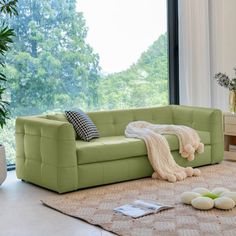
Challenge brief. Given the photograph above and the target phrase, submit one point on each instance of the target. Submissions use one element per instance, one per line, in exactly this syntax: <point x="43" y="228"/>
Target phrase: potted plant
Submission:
<point x="229" y="83"/>
<point x="6" y="35"/>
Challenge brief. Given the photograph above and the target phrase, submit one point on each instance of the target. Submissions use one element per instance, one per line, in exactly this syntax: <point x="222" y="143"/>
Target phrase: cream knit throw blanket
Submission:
<point x="158" y="149"/>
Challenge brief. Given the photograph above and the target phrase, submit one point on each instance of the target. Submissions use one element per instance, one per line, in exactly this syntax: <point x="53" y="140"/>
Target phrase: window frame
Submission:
<point x="173" y="50"/>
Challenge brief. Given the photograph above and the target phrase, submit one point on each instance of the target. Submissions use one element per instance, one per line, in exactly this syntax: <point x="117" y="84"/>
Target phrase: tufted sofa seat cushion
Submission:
<point x="120" y="147"/>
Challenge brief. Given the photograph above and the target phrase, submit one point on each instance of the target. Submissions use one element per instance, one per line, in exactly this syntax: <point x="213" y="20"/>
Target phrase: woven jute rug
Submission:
<point x="95" y="206"/>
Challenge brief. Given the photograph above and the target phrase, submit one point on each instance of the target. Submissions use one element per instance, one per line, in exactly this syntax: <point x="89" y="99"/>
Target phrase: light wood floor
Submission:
<point x="21" y="213"/>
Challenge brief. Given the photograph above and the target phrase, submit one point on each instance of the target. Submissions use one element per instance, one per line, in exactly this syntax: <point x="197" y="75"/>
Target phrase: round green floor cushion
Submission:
<point x="204" y="199"/>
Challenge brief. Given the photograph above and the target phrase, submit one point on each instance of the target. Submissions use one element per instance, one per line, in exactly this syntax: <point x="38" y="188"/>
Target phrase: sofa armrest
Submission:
<point x="203" y="119"/>
<point x="46" y="153"/>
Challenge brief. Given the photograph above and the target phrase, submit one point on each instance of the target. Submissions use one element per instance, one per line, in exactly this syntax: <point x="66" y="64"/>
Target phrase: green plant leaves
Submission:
<point x="6" y="35"/>
<point x="8" y="7"/>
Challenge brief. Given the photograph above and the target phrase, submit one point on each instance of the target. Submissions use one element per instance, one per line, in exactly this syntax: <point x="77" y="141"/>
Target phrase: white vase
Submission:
<point x="3" y="166"/>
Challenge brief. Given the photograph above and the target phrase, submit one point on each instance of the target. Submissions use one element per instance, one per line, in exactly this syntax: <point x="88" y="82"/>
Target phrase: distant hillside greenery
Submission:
<point x="145" y="83"/>
<point x="52" y="68"/>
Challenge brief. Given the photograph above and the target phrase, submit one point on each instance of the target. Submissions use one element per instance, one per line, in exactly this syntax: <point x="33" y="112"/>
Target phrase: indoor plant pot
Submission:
<point x="3" y="166"/>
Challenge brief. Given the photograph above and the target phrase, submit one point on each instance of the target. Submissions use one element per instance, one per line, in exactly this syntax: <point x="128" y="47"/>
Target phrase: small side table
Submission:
<point x="230" y="136"/>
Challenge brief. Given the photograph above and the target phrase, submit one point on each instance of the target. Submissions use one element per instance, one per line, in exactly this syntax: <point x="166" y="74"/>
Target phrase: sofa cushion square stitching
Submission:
<point x="83" y="125"/>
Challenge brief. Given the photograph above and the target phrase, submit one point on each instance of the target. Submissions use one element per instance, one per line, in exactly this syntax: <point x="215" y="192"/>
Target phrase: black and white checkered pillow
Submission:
<point x="83" y="125"/>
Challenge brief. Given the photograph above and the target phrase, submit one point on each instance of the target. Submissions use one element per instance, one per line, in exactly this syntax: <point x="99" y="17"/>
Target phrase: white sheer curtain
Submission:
<point x="194" y="53"/>
<point x="207" y="45"/>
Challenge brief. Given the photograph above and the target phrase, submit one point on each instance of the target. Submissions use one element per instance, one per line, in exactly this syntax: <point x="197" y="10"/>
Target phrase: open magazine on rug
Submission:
<point x="141" y="208"/>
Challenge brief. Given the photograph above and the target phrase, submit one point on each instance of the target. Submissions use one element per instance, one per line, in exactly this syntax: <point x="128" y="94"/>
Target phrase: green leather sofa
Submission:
<point x="48" y="155"/>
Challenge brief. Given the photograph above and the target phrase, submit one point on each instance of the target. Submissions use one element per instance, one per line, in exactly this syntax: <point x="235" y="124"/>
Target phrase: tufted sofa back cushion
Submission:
<point x="114" y="122"/>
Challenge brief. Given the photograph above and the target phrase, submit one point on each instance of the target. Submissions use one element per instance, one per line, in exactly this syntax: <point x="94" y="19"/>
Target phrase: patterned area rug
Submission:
<point x="95" y="206"/>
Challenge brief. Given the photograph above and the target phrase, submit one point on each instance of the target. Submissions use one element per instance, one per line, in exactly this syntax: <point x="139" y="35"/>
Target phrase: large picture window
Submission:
<point x="88" y="54"/>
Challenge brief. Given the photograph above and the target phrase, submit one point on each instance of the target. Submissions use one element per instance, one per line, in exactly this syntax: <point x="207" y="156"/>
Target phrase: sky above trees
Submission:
<point x="120" y="30"/>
